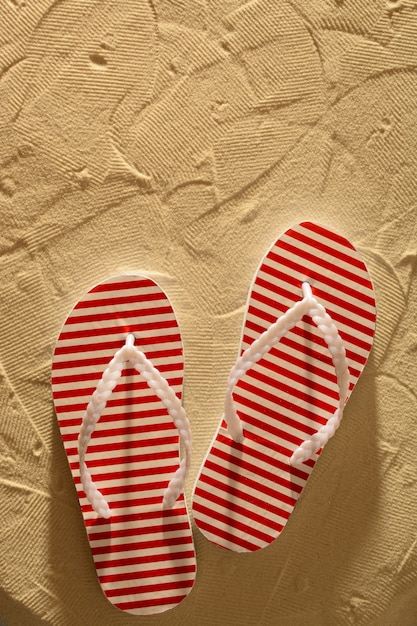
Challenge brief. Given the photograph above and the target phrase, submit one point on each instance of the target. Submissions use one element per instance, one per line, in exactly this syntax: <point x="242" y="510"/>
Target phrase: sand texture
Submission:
<point x="179" y="138"/>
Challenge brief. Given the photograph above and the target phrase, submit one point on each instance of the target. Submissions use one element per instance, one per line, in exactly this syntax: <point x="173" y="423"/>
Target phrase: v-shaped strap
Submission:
<point x="155" y="380"/>
<point x="263" y="344"/>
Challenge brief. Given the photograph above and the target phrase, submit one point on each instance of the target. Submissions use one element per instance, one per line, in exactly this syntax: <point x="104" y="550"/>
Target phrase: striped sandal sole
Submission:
<point x="246" y="492"/>
<point x="144" y="554"/>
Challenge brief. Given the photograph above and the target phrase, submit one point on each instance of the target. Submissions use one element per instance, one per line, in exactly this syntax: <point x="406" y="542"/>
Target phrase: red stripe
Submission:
<point x="134" y="458"/>
<point x="278" y="291"/>
<point x="305" y="351"/>
<point x="336" y="317"/>
<point x="121" y="387"/>
<point x="155" y="601"/>
<point x="120" y="330"/>
<point x="75" y="422"/>
<point x="138" y="531"/>
<point x="248" y="482"/>
<point x="124" y="402"/>
<point x="116" y="302"/>
<point x="256" y="471"/>
<point x="266" y="300"/>
<point x="263" y="425"/>
<point x="116" y="330"/>
<point x="268" y="444"/>
<point x="269" y="458"/>
<point x="81" y="363"/>
<point x="95" y="376"/>
<point x="360" y="311"/>
<point x="149" y="544"/>
<point x="125" y="445"/>
<point x="151" y="588"/>
<point x="277" y="305"/>
<point x="135" y="487"/>
<point x="125" y="283"/>
<point x="276" y="415"/>
<point x="310" y="355"/>
<point x="319" y="261"/>
<point x="340" y="319"/>
<point x="329" y="234"/>
<point x="308" y="366"/>
<point x="279" y="401"/>
<point x="158" y="514"/>
<point x="312" y="274"/>
<point x="290" y="375"/>
<point x="136" y="401"/>
<point x="128" y="474"/>
<point x="296" y="282"/>
<point x="123" y="432"/>
<point x="116" y="315"/>
<point x="233" y="523"/>
<point x="229" y="537"/>
<point x="236" y="508"/>
<point x="155" y="573"/>
<point x="130" y="503"/>
<point x="239" y="494"/>
<point x="332" y="251"/>
<point x="150" y="558"/>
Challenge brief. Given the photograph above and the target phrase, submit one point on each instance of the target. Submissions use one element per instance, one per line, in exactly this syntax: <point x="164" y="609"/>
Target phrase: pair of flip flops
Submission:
<point x="117" y="379"/>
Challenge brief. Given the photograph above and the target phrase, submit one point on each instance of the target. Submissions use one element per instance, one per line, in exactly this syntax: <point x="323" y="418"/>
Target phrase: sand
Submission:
<point x="179" y="139"/>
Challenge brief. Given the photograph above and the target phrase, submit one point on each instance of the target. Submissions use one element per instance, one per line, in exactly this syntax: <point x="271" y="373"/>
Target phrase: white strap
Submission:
<point x="96" y="406"/>
<point x="263" y="344"/>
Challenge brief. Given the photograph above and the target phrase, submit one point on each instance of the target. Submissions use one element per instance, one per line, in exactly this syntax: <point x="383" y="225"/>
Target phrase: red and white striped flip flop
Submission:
<point x="307" y="334"/>
<point x="117" y="378"/>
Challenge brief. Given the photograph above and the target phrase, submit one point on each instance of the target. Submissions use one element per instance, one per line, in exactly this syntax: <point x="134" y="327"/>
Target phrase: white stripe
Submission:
<point x="119" y="438"/>
<point x="145" y="554"/>
<point x="155" y="580"/>
<point x="134" y="420"/>
<point x="127" y="452"/>
<point x="329" y="393"/>
<point x="127" y="498"/>
<point x="129" y="289"/>
<point x="293" y="353"/>
<point x="151" y="536"/>
<point x="224" y="527"/>
<point x="120" y="333"/>
<point x="219" y="540"/>
<point x="141" y="401"/>
<point x="305" y="343"/>
<point x="258" y="447"/>
<point x="167" y="593"/>
<point x="250" y="491"/>
<point x="324" y="256"/>
<point x="140" y="482"/>
<point x="270" y="518"/>
<point x="108" y="354"/>
<point x="247" y="396"/>
<point x="164" y="473"/>
<point x="85" y="387"/>
<point x="138" y="524"/>
<point x="148" y="566"/>
<point x="333" y="308"/>
<point x="276" y="406"/>
<point x="157" y="361"/>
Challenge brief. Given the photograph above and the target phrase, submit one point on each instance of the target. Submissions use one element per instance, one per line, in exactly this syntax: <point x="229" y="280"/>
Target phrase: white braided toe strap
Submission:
<point x="96" y="406"/>
<point x="263" y="344"/>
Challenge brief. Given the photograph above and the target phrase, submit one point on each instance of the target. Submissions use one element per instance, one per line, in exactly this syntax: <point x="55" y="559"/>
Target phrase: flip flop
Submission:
<point x="307" y="334"/>
<point x="121" y="433"/>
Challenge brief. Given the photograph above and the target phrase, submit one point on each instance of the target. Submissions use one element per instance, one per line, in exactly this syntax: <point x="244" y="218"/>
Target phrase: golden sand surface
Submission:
<point x="179" y="138"/>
